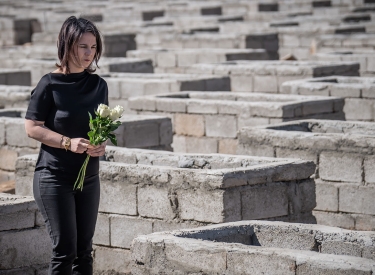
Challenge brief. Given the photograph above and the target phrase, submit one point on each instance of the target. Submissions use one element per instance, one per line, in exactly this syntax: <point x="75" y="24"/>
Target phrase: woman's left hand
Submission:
<point x="96" y="151"/>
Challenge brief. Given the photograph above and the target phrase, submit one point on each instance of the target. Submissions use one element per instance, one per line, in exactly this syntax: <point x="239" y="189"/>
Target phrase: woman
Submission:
<point x="57" y="116"/>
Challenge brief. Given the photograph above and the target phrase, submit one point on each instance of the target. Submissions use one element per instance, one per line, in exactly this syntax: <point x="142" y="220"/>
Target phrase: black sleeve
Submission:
<point x="106" y="92"/>
<point x="41" y="101"/>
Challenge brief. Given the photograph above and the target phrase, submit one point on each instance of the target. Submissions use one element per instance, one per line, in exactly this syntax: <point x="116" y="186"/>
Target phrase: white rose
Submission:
<point x="116" y="112"/>
<point x="103" y="110"/>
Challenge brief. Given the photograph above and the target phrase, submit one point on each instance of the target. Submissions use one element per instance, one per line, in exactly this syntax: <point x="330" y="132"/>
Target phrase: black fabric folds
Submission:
<point x="63" y="103"/>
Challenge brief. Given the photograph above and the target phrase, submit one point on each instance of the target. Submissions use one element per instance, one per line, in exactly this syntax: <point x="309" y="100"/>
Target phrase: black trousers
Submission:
<point x="70" y="218"/>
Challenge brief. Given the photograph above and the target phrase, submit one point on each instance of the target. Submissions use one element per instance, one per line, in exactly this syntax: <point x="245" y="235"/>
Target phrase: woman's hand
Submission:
<point x="79" y="145"/>
<point x="96" y="151"/>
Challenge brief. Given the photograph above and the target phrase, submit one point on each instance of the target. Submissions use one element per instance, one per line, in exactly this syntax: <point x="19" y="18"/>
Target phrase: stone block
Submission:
<point x="165" y="132"/>
<point x="221" y="126"/>
<point x="265" y="84"/>
<point x="190" y="125"/>
<point x="341" y="248"/>
<point x="257" y="263"/>
<point x="214" y="206"/>
<point x="369" y="167"/>
<point x="201" y="145"/>
<point x="359" y="109"/>
<point x="14" y="253"/>
<point x="302" y="154"/>
<point x="365" y="223"/>
<point x="141" y="134"/>
<point x="166" y="59"/>
<point x="346" y="90"/>
<point x="155" y="202"/>
<point x="252" y="121"/>
<point x="18" y="220"/>
<point x="336" y="166"/>
<point x="196" y="259"/>
<point x="228" y="146"/>
<point x="335" y="219"/>
<point x="160" y="226"/>
<point x="118" y="197"/>
<point x="327" y="197"/>
<point x="267" y="201"/>
<point x="257" y="150"/>
<point x="199" y="107"/>
<point x="111" y="260"/>
<point x="241" y="83"/>
<point x="124" y="229"/>
<point x="101" y="235"/>
<point x="16" y="136"/>
<point x="170" y="105"/>
<point x="357" y="199"/>
<point x="8" y="159"/>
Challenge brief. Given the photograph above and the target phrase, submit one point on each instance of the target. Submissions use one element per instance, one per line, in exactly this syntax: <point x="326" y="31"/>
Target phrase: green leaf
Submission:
<point x="113" y="140"/>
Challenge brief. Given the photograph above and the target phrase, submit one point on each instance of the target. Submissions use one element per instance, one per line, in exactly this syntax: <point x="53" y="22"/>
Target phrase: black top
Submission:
<point x="63" y="102"/>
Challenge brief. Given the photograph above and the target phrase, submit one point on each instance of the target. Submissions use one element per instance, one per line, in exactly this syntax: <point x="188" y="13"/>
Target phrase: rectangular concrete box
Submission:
<point x="122" y="86"/>
<point x="38" y="67"/>
<point x="255" y="247"/>
<point x="365" y="58"/>
<point x="145" y="191"/>
<point x="359" y="93"/>
<point x="171" y="60"/>
<point x="208" y="122"/>
<point x="343" y="152"/>
<point x="267" y="76"/>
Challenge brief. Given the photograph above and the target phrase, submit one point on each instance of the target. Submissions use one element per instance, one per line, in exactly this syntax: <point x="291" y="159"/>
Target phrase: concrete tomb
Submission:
<point x="255" y="247"/>
<point x="208" y="122"/>
<point x="171" y="60"/>
<point x="267" y="76"/>
<point x="344" y="154"/>
<point x="359" y="93"/>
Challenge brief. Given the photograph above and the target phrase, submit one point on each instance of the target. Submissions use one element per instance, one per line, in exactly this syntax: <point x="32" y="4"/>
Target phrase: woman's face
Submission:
<point x="84" y="51"/>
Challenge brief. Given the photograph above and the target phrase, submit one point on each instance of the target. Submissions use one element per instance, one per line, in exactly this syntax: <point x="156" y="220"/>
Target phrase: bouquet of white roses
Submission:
<point x="101" y="129"/>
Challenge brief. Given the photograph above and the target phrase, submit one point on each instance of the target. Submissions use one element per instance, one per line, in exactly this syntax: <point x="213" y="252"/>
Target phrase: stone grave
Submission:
<point x="359" y="93"/>
<point x="366" y="59"/>
<point x="267" y="76"/>
<point x="39" y="67"/>
<point x="172" y="60"/>
<point x="146" y="191"/>
<point x="255" y="247"/>
<point x="122" y="86"/>
<point x="341" y="42"/>
<point x="344" y="154"/>
<point x="208" y="122"/>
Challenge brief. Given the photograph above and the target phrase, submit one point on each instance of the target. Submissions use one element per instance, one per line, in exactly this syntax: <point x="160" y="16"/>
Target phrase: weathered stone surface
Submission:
<point x="111" y="260"/>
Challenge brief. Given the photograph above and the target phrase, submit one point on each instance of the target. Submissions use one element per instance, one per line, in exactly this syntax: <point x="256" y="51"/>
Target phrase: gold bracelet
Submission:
<point x="67" y="144"/>
<point x="61" y="142"/>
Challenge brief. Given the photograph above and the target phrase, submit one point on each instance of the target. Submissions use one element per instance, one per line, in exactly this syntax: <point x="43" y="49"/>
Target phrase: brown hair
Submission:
<point x="71" y="31"/>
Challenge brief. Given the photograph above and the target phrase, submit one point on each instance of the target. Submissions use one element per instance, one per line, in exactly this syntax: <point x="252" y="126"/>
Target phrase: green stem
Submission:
<point x="81" y="175"/>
